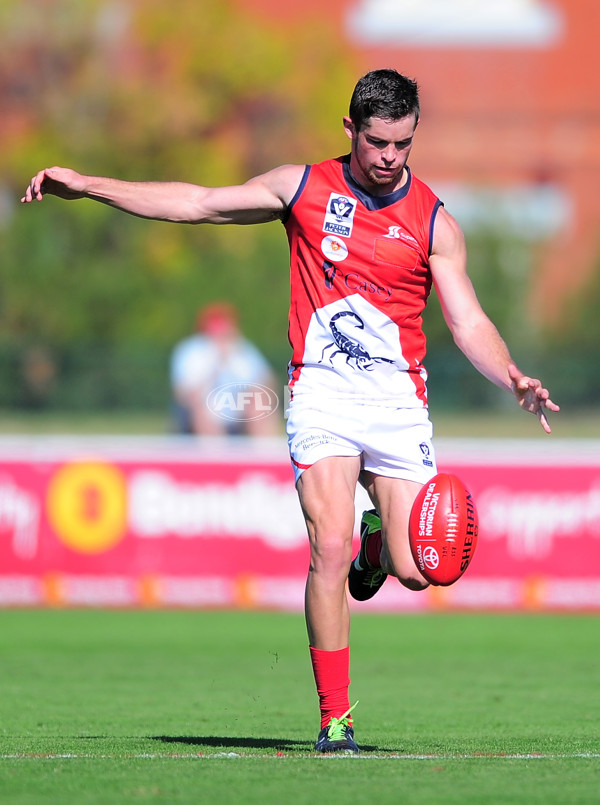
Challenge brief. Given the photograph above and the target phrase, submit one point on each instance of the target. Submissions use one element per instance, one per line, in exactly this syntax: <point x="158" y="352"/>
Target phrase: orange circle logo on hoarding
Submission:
<point x="87" y="506"/>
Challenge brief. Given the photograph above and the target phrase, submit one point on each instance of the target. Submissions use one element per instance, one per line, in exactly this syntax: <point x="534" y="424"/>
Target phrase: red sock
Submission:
<point x="332" y="676"/>
<point x="374" y="545"/>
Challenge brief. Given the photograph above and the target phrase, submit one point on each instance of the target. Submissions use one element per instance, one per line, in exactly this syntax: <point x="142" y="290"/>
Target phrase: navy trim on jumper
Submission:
<point x="374" y="203"/>
<point x="297" y="194"/>
<point x="434" y="213"/>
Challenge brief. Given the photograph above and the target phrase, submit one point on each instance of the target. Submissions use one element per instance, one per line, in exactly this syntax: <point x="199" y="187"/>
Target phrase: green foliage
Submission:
<point x="208" y="94"/>
<point x="499" y="268"/>
<point x="574" y="347"/>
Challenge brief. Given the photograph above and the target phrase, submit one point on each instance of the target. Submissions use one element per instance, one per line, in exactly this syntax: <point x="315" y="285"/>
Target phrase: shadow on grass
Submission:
<point x="220" y="742"/>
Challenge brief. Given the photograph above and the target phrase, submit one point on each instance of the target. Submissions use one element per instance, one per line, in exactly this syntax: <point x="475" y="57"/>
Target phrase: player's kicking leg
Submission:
<point x="384" y="545"/>
<point x="366" y="575"/>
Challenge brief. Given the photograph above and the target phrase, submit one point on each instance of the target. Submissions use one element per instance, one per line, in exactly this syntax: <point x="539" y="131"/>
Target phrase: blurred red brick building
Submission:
<point x="511" y="115"/>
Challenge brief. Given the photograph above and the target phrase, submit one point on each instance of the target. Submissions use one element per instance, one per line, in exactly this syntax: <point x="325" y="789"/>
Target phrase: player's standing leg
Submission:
<point x="326" y="491"/>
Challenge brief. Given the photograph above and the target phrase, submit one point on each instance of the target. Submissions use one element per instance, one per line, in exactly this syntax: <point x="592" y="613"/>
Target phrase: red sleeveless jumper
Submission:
<point x="360" y="280"/>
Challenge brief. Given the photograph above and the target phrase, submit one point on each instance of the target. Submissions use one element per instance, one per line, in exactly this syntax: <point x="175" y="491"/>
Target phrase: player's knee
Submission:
<point x="408" y="576"/>
<point x="331" y="552"/>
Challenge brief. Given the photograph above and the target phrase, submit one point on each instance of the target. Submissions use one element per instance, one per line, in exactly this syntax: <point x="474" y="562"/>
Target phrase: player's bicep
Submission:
<point x="448" y="262"/>
<point x="261" y="199"/>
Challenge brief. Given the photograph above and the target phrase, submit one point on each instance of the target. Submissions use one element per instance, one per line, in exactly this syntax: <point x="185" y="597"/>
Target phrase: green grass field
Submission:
<point x="219" y="707"/>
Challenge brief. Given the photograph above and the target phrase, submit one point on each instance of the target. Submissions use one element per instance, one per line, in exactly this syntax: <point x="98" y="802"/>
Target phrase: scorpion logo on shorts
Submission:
<point x="349" y="346"/>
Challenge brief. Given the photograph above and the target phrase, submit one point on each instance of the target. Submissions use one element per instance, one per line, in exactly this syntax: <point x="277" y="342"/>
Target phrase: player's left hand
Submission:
<point x="532" y="396"/>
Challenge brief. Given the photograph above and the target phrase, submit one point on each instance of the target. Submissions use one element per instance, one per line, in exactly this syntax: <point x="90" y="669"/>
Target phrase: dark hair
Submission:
<point x="386" y="94"/>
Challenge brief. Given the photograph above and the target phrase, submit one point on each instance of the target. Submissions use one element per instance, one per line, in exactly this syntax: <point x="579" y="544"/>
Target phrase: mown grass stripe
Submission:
<point x="280" y="755"/>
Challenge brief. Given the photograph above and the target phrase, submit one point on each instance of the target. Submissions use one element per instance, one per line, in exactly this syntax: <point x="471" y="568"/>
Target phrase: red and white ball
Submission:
<point x="443" y="529"/>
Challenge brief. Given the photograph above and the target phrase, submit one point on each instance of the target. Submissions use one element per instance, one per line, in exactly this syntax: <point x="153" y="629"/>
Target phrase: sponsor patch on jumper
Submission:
<point x="396" y="232"/>
<point x="339" y="215"/>
<point x="334" y="248"/>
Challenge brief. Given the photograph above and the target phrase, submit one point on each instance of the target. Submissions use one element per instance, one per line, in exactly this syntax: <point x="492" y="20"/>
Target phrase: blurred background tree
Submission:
<point x="92" y="300"/>
<point x="574" y="347"/>
<point x="143" y="89"/>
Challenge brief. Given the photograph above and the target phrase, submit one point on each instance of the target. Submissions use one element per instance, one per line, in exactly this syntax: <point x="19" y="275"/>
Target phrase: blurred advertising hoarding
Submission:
<point x="179" y="522"/>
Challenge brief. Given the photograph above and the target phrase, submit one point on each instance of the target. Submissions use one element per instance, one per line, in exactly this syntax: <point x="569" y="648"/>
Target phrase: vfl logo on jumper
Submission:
<point x="339" y="215"/>
<point x="343" y="344"/>
<point x="334" y="248"/>
<point x="424" y="448"/>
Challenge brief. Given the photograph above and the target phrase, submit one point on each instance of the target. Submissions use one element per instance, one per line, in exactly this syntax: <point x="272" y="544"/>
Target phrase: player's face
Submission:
<point x="380" y="151"/>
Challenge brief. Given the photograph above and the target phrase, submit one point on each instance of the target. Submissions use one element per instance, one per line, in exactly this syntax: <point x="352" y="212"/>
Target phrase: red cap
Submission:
<point x="216" y="318"/>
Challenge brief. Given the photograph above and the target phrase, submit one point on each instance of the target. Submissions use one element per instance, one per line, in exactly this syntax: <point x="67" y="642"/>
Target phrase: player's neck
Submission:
<point x="373" y="188"/>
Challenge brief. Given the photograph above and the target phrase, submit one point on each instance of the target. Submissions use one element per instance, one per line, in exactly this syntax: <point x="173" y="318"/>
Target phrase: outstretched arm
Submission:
<point x="473" y="332"/>
<point x="261" y="199"/>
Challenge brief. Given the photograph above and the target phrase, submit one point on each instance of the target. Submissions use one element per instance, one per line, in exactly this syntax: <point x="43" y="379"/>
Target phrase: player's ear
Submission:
<point x="349" y="128"/>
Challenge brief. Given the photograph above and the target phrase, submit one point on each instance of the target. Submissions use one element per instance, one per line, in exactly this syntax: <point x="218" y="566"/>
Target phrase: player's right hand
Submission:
<point x="61" y="182"/>
<point x="532" y="396"/>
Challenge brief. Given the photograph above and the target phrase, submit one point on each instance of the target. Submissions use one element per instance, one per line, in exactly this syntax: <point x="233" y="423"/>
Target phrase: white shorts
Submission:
<point x="394" y="442"/>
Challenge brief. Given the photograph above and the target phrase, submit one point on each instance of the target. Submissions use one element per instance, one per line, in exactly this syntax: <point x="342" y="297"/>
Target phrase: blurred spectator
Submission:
<point x="38" y="373"/>
<point x="221" y="383"/>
